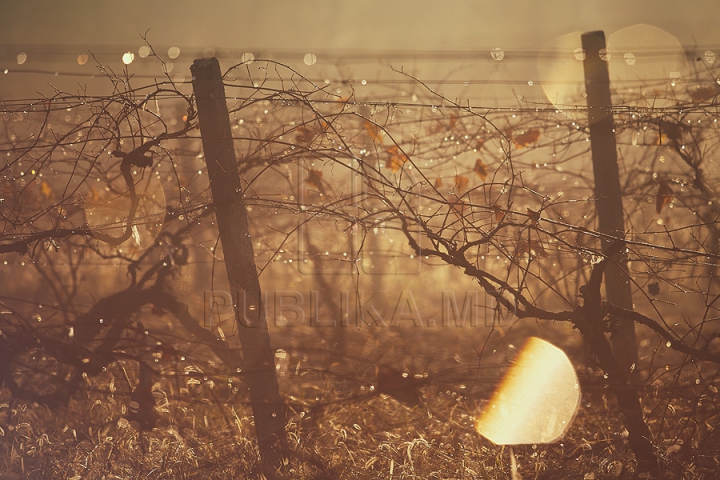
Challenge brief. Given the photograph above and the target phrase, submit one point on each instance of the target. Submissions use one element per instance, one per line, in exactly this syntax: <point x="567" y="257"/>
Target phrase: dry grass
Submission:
<point x="341" y="427"/>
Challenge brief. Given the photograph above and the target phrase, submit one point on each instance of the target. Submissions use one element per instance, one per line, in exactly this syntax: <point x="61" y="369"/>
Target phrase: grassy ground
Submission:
<point x="341" y="426"/>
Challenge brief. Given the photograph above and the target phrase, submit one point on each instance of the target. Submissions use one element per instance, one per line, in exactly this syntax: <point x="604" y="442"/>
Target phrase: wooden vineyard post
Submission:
<point x="608" y="197"/>
<point x="258" y="360"/>
<point x="617" y="357"/>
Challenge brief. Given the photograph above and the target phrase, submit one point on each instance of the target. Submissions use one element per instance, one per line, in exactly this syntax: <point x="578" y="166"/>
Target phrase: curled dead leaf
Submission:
<point x="702" y="93"/>
<point x="373" y="131"/>
<point x="664" y="196"/>
<point x="526" y="138"/>
<point x="314" y="179"/>
<point x="305" y="134"/>
<point x="396" y="158"/>
<point x="671" y="131"/>
<point x="480" y="169"/>
<point x="499" y="213"/>
<point x="46" y="190"/>
<point x="534" y="216"/>
<point x="457" y="206"/>
<point x="461" y="183"/>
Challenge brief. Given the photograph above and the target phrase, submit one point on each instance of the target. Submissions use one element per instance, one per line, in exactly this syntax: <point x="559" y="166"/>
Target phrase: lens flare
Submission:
<point x="648" y="67"/>
<point x="536" y="401"/>
<point x="560" y="65"/>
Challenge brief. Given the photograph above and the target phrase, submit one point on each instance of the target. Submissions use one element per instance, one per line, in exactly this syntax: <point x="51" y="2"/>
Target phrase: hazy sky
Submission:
<point x="337" y="24"/>
<point x="273" y="27"/>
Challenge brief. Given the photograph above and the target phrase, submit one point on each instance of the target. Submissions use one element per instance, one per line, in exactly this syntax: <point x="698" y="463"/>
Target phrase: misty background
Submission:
<point x="432" y="40"/>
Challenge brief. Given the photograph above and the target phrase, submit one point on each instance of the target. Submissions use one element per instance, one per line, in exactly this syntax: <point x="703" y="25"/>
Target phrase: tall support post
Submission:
<point x="258" y="360"/>
<point x="608" y="205"/>
<point x="608" y="196"/>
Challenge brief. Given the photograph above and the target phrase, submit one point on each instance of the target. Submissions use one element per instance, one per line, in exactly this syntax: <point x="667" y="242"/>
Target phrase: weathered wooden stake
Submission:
<point x="258" y="360"/>
<point x="608" y="196"/>
<point x="618" y="360"/>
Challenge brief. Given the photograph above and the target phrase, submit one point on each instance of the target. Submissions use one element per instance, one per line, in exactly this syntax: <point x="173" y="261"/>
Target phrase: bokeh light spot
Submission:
<point x="561" y="74"/>
<point x="537" y="399"/>
<point x="658" y="66"/>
